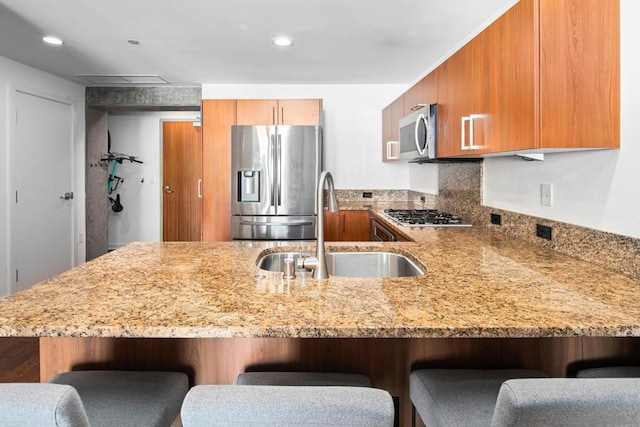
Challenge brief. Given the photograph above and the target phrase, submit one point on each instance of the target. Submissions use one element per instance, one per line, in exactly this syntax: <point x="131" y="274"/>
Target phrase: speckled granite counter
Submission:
<point x="479" y="283"/>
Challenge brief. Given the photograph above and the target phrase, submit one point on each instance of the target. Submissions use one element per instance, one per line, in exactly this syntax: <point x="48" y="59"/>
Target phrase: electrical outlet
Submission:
<point x="496" y="219"/>
<point x="546" y="195"/>
<point x="367" y="194"/>
<point x="544" y="231"/>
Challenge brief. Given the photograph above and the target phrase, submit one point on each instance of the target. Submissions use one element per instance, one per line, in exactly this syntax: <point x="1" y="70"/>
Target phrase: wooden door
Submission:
<point x="455" y="100"/>
<point x="257" y="112"/>
<point x="42" y="225"/>
<point x="300" y="112"/>
<point x="218" y="115"/>
<point x="505" y="95"/>
<point x="181" y="181"/>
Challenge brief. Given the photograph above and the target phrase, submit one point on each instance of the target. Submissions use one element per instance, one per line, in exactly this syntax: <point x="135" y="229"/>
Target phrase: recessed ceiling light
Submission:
<point x="282" y="41"/>
<point x="52" y="40"/>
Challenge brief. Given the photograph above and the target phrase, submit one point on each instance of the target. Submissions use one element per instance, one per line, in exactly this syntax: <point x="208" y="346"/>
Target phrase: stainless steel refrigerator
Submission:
<point x="275" y="171"/>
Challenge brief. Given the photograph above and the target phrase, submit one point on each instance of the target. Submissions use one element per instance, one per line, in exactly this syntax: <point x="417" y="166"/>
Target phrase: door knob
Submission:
<point x="168" y="190"/>
<point x="67" y="196"/>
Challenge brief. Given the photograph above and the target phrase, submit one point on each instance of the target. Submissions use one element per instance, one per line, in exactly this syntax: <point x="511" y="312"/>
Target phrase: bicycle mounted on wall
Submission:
<point x="114" y="181"/>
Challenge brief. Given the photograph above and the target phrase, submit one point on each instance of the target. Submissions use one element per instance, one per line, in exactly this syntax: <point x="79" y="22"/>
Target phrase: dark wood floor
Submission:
<point x="19" y="360"/>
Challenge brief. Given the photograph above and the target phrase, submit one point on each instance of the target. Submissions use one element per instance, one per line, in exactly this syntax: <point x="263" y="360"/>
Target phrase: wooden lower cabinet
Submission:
<point x="346" y="226"/>
<point x="386" y="361"/>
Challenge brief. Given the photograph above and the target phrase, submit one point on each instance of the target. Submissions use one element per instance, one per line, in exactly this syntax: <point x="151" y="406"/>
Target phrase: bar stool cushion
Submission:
<point x="460" y="397"/>
<point x="260" y="405"/>
<point x="303" y="379"/>
<point x="568" y="402"/>
<point x="44" y="405"/>
<point x="128" y="398"/>
<point x="610" y="372"/>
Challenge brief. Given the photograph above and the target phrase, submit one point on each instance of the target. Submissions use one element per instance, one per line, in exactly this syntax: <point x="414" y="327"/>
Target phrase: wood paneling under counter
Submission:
<point x="387" y="361"/>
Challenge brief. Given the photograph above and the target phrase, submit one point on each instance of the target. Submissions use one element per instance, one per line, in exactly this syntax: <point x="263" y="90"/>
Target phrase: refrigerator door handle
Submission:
<point x="272" y="159"/>
<point x="279" y="160"/>
<point x="276" y="224"/>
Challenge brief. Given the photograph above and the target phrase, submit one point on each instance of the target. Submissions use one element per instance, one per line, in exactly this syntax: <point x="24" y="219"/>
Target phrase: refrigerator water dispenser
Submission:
<point x="248" y="186"/>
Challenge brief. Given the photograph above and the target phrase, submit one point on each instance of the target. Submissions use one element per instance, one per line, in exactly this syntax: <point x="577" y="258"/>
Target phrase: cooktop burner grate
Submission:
<point x="425" y="218"/>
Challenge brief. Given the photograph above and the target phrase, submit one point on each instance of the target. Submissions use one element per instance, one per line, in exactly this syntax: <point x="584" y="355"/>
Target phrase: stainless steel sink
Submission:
<point x="351" y="264"/>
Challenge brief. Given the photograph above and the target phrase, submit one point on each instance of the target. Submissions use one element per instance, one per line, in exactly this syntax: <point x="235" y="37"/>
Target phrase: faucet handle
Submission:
<point x="309" y="263"/>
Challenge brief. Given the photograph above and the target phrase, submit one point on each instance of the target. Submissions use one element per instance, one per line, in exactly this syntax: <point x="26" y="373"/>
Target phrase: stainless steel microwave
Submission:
<point x="418" y="133"/>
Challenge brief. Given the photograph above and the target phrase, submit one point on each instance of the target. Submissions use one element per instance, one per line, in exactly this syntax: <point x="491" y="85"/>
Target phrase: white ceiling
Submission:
<point x="194" y="42"/>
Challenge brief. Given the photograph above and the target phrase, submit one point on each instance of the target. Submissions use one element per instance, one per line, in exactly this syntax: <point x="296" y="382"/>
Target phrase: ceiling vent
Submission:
<point x="123" y="79"/>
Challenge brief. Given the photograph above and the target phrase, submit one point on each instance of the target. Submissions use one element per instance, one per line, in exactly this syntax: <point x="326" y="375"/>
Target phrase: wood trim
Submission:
<point x="217" y="118"/>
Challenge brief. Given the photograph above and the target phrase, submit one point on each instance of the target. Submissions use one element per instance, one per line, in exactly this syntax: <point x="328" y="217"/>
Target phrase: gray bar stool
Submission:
<point x="459" y="397"/>
<point x="610" y="372"/>
<point x="128" y="398"/>
<point x="568" y="402"/>
<point x="268" y="405"/>
<point x="44" y="405"/>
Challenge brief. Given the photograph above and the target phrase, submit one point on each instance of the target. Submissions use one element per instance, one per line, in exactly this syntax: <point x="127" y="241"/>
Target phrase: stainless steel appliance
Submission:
<point x="425" y="218"/>
<point x="275" y="172"/>
<point x="381" y="233"/>
<point x="418" y="133"/>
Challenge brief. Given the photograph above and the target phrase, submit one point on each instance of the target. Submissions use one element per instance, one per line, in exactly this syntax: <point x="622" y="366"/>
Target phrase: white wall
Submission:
<point x="139" y="134"/>
<point x="599" y="189"/>
<point x="17" y="76"/>
<point x="352" y="128"/>
<point x="423" y="178"/>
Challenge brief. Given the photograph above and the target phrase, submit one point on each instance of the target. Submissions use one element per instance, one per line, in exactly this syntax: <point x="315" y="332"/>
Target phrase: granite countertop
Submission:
<point x="479" y="283"/>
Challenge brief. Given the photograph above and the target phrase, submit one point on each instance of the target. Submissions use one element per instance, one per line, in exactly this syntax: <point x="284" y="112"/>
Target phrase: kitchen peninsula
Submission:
<point x="486" y="300"/>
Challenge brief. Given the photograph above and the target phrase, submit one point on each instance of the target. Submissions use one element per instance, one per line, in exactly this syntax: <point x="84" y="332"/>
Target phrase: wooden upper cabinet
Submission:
<point x="391" y="116"/>
<point x="455" y="100"/>
<point x="256" y="111"/>
<point x="423" y="92"/>
<point x="218" y="115"/>
<point x="580" y="74"/>
<point x="300" y="112"/>
<point x="279" y="112"/>
<point x="505" y="98"/>
<point x="545" y="75"/>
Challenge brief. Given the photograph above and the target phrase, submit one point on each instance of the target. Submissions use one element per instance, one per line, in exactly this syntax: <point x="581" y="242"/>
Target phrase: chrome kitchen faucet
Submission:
<point x="319" y="263"/>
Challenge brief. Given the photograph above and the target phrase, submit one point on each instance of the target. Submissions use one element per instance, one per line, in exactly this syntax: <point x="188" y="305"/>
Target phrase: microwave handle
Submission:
<point x="422" y="118"/>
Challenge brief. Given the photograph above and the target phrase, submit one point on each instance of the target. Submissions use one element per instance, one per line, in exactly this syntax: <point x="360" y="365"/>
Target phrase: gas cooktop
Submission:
<point x="425" y="218"/>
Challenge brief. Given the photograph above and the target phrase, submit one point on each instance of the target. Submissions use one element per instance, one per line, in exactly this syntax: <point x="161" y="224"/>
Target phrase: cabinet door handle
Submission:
<point x="200" y="189"/>
<point x="281" y="115"/>
<point x="472" y="119"/>
<point x="344" y="223"/>
<point x="390" y="155"/>
<point x="273" y="115"/>
<point x="464" y="146"/>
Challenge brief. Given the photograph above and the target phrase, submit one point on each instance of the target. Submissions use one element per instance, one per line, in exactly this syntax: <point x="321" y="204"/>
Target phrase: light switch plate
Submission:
<point x="546" y="195"/>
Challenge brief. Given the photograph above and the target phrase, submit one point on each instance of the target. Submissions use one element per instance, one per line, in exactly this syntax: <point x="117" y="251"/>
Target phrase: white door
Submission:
<point x="41" y="171"/>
